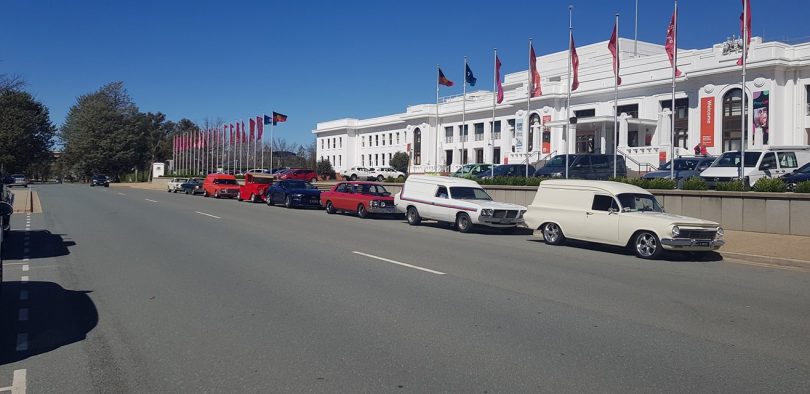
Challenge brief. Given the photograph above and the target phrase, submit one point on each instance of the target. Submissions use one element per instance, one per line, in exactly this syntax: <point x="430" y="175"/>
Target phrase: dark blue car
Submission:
<point x="800" y="175"/>
<point x="685" y="168"/>
<point x="294" y="193"/>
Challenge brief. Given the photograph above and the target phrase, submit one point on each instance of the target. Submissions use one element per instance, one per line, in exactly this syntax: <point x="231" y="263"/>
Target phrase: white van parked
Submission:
<point x="462" y="202"/>
<point x="616" y="214"/>
<point x="774" y="162"/>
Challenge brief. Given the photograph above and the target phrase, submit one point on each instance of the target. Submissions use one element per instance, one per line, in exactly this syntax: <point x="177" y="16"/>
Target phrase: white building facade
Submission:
<point x="707" y="111"/>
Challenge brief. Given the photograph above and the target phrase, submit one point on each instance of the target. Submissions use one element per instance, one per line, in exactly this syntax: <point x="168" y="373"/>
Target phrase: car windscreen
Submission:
<point x="298" y="185"/>
<point x="263" y="181"/>
<point x="373" y="190"/>
<point x="225" y="182"/>
<point x="559" y="161"/>
<point x="732" y="159"/>
<point x="469" y="193"/>
<point x="637" y="202"/>
<point x="805" y="169"/>
<point x="680" y="165"/>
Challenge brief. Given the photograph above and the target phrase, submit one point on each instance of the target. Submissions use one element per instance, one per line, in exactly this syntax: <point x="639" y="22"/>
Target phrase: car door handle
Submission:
<point x="589" y="213"/>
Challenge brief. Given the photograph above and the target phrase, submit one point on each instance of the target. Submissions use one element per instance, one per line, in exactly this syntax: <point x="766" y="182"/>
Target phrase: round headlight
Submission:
<point x="719" y="234"/>
<point x="486" y="212"/>
<point x="676" y="231"/>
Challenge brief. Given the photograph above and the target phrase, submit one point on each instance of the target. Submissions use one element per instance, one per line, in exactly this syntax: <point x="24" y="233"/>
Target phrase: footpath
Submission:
<point x="757" y="248"/>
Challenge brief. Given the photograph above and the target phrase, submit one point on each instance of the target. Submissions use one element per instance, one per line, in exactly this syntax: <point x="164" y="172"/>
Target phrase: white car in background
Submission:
<point x="775" y="162"/>
<point x="356" y="173"/>
<point x="462" y="202"/>
<point x="174" y="185"/>
<point x="382" y="173"/>
<point x="616" y="214"/>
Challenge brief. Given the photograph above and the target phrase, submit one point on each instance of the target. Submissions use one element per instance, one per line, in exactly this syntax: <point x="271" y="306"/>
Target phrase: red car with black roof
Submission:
<point x="362" y="198"/>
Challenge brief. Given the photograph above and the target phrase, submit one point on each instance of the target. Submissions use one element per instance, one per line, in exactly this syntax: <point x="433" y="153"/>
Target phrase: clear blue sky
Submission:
<point x="321" y="60"/>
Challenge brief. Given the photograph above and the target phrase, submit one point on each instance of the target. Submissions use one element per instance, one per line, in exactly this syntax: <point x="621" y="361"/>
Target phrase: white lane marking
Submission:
<point x="25" y="267"/>
<point x="24" y="278"/>
<point x="122" y="194"/>
<point x="23" y="295"/>
<point x="399" y="263"/>
<point x="18" y="385"/>
<point x="23" y="314"/>
<point x="22" y="342"/>
<point x="150" y="200"/>
<point x="208" y="214"/>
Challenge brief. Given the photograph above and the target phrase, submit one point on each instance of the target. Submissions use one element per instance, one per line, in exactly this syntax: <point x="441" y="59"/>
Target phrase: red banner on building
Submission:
<point x="707" y="121"/>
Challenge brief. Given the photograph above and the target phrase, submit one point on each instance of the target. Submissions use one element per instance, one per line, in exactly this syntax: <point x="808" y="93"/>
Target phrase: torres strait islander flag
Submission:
<point x="443" y="80"/>
<point x="277" y="118"/>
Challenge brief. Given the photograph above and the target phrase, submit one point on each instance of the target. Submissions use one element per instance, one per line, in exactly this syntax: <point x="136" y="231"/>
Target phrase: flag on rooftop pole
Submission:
<point x="536" y="89"/>
<point x="670" y="45"/>
<point x="468" y="76"/>
<point x="574" y="64"/>
<point x="499" y="86"/>
<point x="613" y="47"/>
<point x="745" y="30"/>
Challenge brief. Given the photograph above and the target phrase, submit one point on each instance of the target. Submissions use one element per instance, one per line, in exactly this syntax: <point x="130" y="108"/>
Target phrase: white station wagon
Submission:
<point x="616" y="214"/>
<point x="462" y="202"/>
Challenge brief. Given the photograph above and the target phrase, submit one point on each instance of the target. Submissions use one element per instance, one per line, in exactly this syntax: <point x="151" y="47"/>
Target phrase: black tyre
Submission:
<point x="463" y="223"/>
<point x="288" y="202"/>
<point x="553" y="234"/>
<point x="330" y="209"/>
<point x="205" y="193"/>
<point x="269" y="200"/>
<point x="361" y="211"/>
<point x="169" y="190"/>
<point x="187" y="192"/>
<point x="380" y="178"/>
<point x="413" y="216"/>
<point x="313" y="180"/>
<point x="254" y="198"/>
<point x="646" y="245"/>
<point x="353" y="177"/>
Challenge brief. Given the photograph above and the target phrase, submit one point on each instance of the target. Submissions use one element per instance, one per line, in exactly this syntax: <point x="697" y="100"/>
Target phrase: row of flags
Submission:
<point x="535" y="88"/>
<point x="232" y="133"/>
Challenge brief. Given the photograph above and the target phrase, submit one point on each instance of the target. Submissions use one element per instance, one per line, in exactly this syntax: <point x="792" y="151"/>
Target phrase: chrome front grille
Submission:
<point x="504" y="213"/>
<point x="697" y="234"/>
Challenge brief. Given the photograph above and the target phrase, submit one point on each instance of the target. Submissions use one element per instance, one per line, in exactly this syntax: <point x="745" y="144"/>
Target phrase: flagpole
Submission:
<point x="674" y="70"/>
<point x="438" y="69"/>
<point x="272" y="122"/>
<point x="528" y="103"/>
<point x="262" y="120"/>
<point x="635" y="33"/>
<point x="464" y="113"/>
<point x="494" y="102"/>
<point x="568" y="99"/>
<point x="616" y="100"/>
<point x="742" y="85"/>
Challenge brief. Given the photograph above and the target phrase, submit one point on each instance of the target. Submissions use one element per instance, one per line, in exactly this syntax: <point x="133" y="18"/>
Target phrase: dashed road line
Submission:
<point x="24" y="278"/>
<point x="399" y="263"/>
<point x="207" y="214"/>
<point x="121" y="194"/>
<point x="25" y="267"/>
<point x="18" y="383"/>
<point x="150" y="200"/>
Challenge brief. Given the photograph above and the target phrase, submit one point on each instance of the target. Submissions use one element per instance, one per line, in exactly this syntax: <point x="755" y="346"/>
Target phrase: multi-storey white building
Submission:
<point x="707" y="110"/>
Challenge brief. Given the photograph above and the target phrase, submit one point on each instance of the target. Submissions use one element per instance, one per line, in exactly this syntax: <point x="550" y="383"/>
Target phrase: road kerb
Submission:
<point x="781" y="261"/>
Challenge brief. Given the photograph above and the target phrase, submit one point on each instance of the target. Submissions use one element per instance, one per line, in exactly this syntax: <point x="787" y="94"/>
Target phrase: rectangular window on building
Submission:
<point x="376" y="160"/>
<point x="585" y="113"/>
<point x="341" y="142"/>
<point x="511" y="123"/>
<point x="389" y="158"/>
<point x="479" y="133"/>
<point x="390" y="138"/>
<point x="377" y="140"/>
<point x="681" y="120"/>
<point x="397" y="137"/>
<point x="496" y="130"/>
<point x="363" y="141"/>
<point x="465" y="133"/>
<point x="479" y="155"/>
<point x="383" y="140"/>
<point x="321" y="143"/>
<point x="448" y="134"/>
<point x="630" y="109"/>
<point x="362" y="160"/>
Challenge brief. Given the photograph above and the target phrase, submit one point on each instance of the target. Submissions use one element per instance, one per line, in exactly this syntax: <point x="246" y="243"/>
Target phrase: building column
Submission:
<point x="603" y="140"/>
<point x="663" y="134"/>
<point x="488" y="143"/>
<point x="537" y="132"/>
<point x="572" y="139"/>
<point x="624" y="130"/>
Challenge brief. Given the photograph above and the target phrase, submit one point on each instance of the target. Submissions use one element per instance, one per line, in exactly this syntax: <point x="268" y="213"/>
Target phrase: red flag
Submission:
<point x="259" y="127"/>
<point x="252" y="123"/>
<point x="574" y="65"/>
<point x="230" y="133"/>
<point x="670" y="43"/>
<point x="535" y="87"/>
<point x="443" y="80"/>
<point x="238" y="134"/>
<point x="745" y="33"/>
<point x="244" y="132"/>
<point x="498" y="79"/>
<point x="613" y="47"/>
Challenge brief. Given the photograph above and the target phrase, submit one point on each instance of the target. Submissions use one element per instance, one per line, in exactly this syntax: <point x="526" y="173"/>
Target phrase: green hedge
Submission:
<point x="733" y="186"/>
<point x="694" y="183"/>
<point x="656" y="183"/>
<point x="802" y="187"/>
<point x="771" y="185"/>
<point x="511" y="181"/>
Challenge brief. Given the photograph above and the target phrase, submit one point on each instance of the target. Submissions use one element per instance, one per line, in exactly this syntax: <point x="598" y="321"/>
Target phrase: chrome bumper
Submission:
<point x="692" y="244"/>
<point x="500" y="221"/>
<point x="383" y="210"/>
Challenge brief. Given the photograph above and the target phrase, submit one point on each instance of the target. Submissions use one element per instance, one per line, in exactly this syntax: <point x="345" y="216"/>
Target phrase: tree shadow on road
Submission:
<point x="42" y="244"/>
<point x="56" y="317"/>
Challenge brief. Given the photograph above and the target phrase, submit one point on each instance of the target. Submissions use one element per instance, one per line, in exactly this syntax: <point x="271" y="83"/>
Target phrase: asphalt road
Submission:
<point x="144" y="291"/>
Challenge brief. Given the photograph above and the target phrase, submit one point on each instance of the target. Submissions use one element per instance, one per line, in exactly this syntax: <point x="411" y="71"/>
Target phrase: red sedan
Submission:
<point x="363" y="198"/>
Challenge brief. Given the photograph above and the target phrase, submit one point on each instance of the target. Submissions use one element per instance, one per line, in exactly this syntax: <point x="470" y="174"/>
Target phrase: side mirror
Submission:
<point x="612" y="211"/>
<point x="6" y="209"/>
<point x="765" y="166"/>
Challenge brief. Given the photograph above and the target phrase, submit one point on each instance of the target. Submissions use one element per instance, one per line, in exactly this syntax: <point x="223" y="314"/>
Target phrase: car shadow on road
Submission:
<point x="53" y="317"/>
<point x="692" y="257"/>
<point x="42" y="244"/>
<point x="478" y="229"/>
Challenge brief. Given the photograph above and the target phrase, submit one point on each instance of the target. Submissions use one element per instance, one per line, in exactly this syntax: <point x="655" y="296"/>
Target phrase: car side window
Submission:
<point x="441" y="192"/>
<point x="341" y="188"/>
<point x="768" y="162"/>
<point x="704" y="165"/>
<point x="788" y="160"/>
<point x="599" y="162"/>
<point x="604" y="203"/>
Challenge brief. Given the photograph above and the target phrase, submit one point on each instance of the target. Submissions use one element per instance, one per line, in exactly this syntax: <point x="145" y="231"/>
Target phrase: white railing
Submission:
<point x="642" y="167"/>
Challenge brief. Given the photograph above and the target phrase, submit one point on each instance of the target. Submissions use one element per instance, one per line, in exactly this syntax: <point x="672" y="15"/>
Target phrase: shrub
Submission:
<point x="733" y="186"/>
<point x="510" y="181"/>
<point x="399" y="161"/>
<point x="391" y="179"/>
<point x="772" y="185"/>
<point x="694" y="183"/>
<point x="802" y="187"/>
<point x="660" y="184"/>
<point x="324" y="169"/>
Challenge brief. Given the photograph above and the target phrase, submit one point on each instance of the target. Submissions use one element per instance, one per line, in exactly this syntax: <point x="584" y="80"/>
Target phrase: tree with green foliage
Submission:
<point x="399" y="161"/>
<point x="324" y="169"/>
<point x="26" y="132"/>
